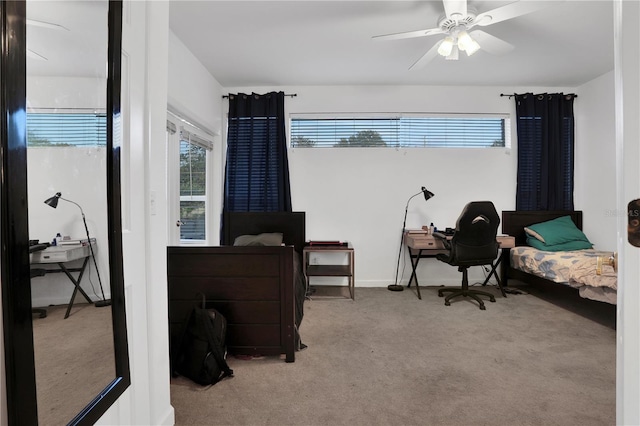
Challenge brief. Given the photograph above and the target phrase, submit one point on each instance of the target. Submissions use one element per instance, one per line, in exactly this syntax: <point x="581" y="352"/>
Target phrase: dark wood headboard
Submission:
<point x="513" y="222"/>
<point x="290" y="224"/>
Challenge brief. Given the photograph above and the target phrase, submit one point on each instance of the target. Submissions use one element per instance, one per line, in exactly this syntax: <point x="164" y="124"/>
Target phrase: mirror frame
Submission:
<point x="14" y="231"/>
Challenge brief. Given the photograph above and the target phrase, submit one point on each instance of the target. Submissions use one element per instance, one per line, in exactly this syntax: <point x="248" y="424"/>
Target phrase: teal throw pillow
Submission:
<point x="566" y="246"/>
<point x="556" y="231"/>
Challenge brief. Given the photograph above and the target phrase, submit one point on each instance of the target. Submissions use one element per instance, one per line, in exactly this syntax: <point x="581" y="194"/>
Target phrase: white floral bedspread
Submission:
<point x="575" y="268"/>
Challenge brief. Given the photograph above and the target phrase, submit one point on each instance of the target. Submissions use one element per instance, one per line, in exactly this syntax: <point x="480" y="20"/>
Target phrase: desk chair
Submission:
<point x="473" y="244"/>
<point x="37" y="272"/>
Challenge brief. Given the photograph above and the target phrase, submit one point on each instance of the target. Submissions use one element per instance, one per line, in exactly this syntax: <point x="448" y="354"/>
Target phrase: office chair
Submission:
<point x="37" y="272"/>
<point x="473" y="244"/>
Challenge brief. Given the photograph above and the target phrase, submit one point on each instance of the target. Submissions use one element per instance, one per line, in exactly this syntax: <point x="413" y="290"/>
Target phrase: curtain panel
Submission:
<point x="545" y="128"/>
<point x="257" y="168"/>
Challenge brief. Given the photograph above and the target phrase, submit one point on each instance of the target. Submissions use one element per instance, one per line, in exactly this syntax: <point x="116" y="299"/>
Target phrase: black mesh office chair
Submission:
<point x="473" y="244"/>
<point x="38" y="272"/>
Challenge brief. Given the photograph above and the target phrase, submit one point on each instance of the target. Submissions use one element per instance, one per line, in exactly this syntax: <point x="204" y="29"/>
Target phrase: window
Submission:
<point x="188" y="183"/>
<point x="193" y="191"/>
<point x="50" y="129"/>
<point x="404" y="131"/>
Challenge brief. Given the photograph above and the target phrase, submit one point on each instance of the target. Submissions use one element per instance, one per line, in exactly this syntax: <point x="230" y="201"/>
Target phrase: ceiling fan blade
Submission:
<point x="512" y="10"/>
<point x="409" y="34"/>
<point x="491" y="44"/>
<point x="455" y="9"/>
<point x="44" y="24"/>
<point x="34" y="55"/>
<point x="427" y="57"/>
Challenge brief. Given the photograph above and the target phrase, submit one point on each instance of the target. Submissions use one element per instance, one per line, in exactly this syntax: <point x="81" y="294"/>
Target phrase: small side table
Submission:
<point x="330" y="270"/>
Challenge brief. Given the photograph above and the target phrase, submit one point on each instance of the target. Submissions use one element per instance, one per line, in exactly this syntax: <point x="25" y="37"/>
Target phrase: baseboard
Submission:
<point x="169" y="419"/>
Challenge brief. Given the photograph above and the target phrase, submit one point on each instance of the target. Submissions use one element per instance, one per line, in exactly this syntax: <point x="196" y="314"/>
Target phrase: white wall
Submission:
<point x="79" y="173"/>
<point x="595" y="161"/>
<point x="191" y="89"/>
<point x="359" y="195"/>
<point x="197" y="96"/>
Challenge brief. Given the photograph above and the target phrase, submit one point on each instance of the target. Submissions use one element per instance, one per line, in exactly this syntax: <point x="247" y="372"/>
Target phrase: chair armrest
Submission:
<point x="443" y="237"/>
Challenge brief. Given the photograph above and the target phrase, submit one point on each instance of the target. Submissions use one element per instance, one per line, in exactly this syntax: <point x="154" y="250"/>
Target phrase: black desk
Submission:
<point x="60" y="255"/>
<point x="423" y="245"/>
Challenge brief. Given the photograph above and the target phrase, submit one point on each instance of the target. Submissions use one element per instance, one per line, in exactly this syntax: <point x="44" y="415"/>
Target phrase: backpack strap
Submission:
<point x="215" y="344"/>
<point x="178" y="351"/>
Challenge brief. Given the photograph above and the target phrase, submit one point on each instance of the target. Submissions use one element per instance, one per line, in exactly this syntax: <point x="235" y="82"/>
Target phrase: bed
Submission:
<point x="574" y="268"/>
<point x="259" y="289"/>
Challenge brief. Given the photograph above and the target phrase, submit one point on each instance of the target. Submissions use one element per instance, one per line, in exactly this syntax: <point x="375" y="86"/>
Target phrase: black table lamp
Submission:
<point x="427" y="194"/>
<point x="53" y="202"/>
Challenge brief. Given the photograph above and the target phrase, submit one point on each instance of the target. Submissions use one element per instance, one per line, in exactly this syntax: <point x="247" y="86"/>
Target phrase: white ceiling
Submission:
<point x="280" y="43"/>
<point x="79" y="49"/>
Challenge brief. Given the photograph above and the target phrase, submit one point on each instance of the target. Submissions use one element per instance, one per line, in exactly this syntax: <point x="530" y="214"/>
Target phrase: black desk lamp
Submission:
<point x="427" y="194"/>
<point x="53" y="202"/>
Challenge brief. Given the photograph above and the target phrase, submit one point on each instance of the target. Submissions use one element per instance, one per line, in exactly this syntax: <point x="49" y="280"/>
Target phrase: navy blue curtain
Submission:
<point x="545" y="127"/>
<point x="257" y="169"/>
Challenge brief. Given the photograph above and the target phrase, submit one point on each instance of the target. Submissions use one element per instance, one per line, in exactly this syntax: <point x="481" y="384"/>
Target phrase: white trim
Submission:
<point x="394" y="115"/>
<point x="190" y="124"/>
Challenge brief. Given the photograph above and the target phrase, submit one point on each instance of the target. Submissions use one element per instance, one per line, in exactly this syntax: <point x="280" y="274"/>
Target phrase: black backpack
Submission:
<point x="201" y="351"/>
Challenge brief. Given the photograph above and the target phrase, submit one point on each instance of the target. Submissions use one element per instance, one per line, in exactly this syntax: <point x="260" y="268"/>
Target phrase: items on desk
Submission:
<point x="75" y="241"/>
<point x="327" y="243"/>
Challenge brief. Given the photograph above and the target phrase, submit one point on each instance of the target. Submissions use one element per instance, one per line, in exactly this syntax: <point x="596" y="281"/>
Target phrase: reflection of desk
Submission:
<point x="60" y="255"/>
<point x="425" y="245"/>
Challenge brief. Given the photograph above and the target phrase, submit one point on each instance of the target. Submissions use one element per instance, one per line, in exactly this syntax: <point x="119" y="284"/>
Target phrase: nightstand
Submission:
<point x="330" y="270"/>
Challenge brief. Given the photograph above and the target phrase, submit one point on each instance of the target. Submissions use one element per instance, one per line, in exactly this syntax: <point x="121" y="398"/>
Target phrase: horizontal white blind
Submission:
<point x="400" y="131"/>
<point x="66" y="129"/>
<point x="194" y="139"/>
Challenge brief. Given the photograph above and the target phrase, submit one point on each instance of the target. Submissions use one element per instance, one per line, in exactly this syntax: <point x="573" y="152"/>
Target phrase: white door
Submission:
<point x="627" y="68"/>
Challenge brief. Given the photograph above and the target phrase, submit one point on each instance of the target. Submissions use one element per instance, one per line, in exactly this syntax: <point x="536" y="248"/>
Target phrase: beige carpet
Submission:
<point x="74" y="360"/>
<point x="390" y="359"/>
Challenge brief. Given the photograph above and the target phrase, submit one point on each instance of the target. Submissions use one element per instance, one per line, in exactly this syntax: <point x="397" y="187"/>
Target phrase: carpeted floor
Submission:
<point x="73" y="358"/>
<point x="388" y="358"/>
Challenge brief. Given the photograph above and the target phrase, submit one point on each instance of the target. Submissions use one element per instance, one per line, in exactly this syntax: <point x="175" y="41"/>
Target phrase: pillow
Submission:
<point x="566" y="246"/>
<point x="531" y="233"/>
<point x="265" y="239"/>
<point x="556" y="231"/>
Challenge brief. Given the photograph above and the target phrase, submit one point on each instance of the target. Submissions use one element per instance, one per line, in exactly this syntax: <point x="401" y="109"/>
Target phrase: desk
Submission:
<point x="59" y="255"/>
<point x="427" y="245"/>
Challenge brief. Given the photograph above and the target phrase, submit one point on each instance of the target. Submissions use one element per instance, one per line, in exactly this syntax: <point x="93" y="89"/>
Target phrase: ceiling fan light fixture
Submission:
<point x="453" y="56"/>
<point x="446" y="46"/>
<point x="467" y="44"/>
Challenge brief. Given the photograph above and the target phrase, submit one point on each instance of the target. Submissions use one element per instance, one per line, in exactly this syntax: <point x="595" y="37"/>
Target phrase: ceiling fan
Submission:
<point x="455" y="24"/>
<point x="33" y="54"/>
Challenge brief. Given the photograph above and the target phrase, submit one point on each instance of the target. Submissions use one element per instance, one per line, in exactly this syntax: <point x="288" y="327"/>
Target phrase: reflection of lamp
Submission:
<point x="53" y="202"/>
<point x="427" y="194"/>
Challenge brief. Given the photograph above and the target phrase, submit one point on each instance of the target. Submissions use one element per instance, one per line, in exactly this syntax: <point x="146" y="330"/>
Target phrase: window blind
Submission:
<point x="401" y="131"/>
<point x="66" y="129"/>
<point x="252" y="150"/>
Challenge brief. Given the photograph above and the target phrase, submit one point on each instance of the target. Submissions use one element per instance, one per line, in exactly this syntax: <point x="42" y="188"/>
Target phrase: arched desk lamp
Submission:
<point x="53" y="202"/>
<point x="427" y="194"/>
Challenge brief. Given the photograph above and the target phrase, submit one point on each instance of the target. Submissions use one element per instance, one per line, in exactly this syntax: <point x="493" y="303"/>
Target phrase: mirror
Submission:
<point x="65" y="150"/>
